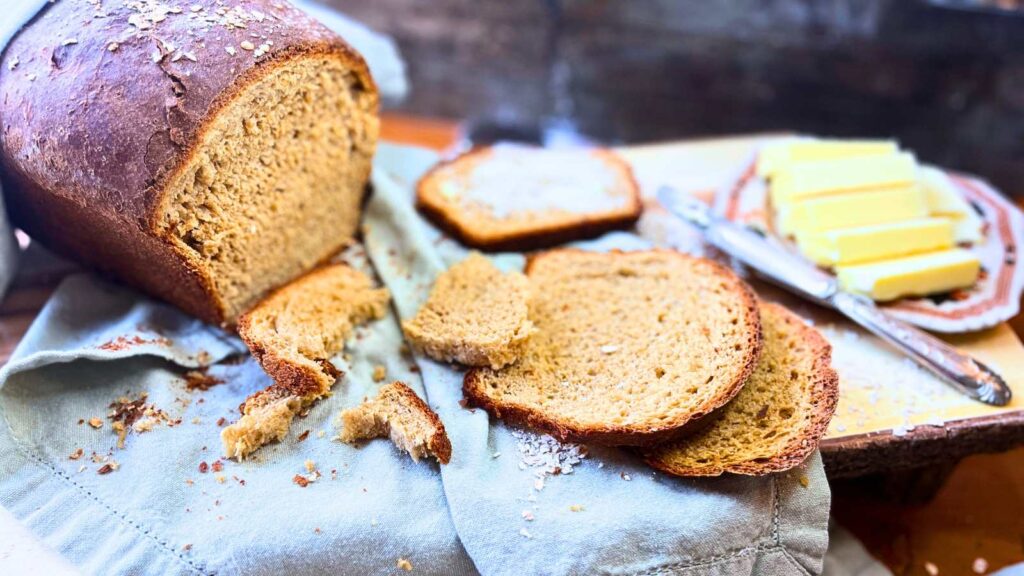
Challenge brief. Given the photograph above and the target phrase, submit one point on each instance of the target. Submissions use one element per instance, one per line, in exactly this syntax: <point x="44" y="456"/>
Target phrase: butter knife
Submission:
<point x="969" y="376"/>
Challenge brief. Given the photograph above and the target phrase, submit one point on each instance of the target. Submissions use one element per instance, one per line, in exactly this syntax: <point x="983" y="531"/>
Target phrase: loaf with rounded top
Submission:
<point x="206" y="153"/>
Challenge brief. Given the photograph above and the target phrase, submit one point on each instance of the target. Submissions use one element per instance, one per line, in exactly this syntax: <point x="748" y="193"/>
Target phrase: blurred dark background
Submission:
<point x="946" y="78"/>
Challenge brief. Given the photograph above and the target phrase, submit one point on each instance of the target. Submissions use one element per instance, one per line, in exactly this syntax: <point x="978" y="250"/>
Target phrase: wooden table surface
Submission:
<point x="978" y="512"/>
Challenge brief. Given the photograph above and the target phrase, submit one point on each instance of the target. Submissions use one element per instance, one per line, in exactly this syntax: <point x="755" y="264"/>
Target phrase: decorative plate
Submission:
<point x="994" y="299"/>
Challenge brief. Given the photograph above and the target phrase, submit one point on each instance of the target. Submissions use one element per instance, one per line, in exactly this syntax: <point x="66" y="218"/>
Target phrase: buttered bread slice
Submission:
<point x="630" y="347"/>
<point x="775" y="422"/>
<point x="475" y="315"/>
<point x="293" y="334"/>
<point x="515" y="197"/>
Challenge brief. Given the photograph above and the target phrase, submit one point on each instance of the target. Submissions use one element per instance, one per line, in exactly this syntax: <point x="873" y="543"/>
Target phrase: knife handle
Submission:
<point x="960" y="370"/>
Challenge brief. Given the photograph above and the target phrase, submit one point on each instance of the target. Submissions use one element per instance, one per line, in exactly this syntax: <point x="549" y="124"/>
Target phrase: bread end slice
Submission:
<point x="399" y="414"/>
<point x="776" y="420"/>
<point x="475" y="316"/>
<point x="513" y="198"/>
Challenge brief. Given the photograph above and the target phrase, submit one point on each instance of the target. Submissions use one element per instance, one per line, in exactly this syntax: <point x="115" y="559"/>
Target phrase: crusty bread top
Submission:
<point x="295" y="331"/>
<point x="397" y="412"/>
<point x="475" y="315"/>
<point x="630" y="347"/>
<point x="103" y="102"/>
<point x="775" y="422"/>
<point x="511" y="196"/>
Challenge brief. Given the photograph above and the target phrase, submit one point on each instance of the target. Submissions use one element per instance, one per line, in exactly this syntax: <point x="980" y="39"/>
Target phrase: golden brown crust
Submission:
<point x="824" y="393"/>
<point x="94" y="134"/>
<point x="612" y="435"/>
<point x="587" y="226"/>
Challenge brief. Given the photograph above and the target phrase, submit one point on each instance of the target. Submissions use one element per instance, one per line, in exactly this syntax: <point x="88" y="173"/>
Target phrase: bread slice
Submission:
<point x="397" y="412"/>
<point x="475" y="315"/>
<point x="293" y="334"/>
<point x="514" y="197"/>
<point x="775" y="422"/>
<point x="630" y="348"/>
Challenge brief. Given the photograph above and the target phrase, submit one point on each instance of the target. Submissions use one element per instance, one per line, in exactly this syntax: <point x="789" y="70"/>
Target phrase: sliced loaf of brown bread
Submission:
<point x="515" y="197"/>
<point x="775" y="422"/>
<point x="630" y="348"/>
<point x="398" y="413"/>
<point x="293" y="334"/>
<point x="475" y="315"/>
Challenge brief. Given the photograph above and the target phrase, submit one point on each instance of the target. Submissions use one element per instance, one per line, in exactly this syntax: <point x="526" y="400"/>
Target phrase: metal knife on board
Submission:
<point x="798" y="276"/>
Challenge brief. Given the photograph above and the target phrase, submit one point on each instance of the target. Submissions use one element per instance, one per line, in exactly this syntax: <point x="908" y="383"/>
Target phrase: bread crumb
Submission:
<point x="527" y="515"/>
<point x="113" y="46"/>
<point x="379" y="373"/>
<point x="300" y="480"/>
<point x="220" y="478"/>
<point x="405" y="564"/>
<point x="931" y="569"/>
<point x="321" y="434"/>
<point x="186" y="547"/>
<point x="76" y="454"/>
<point x="805" y="481"/>
<point x="96" y="423"/>
<point x="310" y="465"/>
<point x="538" y="484"/>
<point x="302" y="437"/>
<point x="217" y="466"/>
<point x="108" y="467"/>
<point x="980" y="566"/>
<point x="576" y="508"/>
<point x="204" y="467"/>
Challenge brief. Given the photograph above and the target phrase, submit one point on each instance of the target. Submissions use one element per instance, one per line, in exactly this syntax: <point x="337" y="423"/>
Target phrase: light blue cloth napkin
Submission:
<point x="612" y="514"/>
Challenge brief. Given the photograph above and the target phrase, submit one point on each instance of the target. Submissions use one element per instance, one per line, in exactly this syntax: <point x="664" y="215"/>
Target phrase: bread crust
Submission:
<point x="612" y="435"/>
<point x="91" y="143"/>
<point x="439" y="444"/>
<point x="825" y="395"/>
<point x="588" y="226"/>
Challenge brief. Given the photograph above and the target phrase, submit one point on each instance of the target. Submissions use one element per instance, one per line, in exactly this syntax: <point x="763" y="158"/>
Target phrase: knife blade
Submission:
<point x="794" y="274"/>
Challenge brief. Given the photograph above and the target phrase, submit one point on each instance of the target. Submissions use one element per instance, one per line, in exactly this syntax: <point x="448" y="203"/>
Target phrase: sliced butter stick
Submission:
<point x="945" y="200"/>
<point x="851" y="210"/>
<point x="918" y="275"/>
<point x="876" y="242"/>
<point x="778" y="157"/>
<point x="803" y="180"/>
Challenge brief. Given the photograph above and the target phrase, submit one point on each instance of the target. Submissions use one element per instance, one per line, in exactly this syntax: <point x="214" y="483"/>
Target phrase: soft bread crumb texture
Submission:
<point x="275" y="185"/>
<point x="512" y="197"/>
<point x="776" y="421"/>
<point x="399" y="414"/>
<point x="475" y="315"/>
<point x="293" y="334"/>
<point x="630" y="347"/>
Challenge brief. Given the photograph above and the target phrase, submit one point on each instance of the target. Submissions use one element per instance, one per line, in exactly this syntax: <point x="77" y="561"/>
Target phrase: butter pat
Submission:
<point x="912" y="275"/>
<point x="804" y="180"/>
<point x="944" y="199"/>
<point x="778" y="157"/>
<point x="853" y="210"/>
<point x="876" y="242"/>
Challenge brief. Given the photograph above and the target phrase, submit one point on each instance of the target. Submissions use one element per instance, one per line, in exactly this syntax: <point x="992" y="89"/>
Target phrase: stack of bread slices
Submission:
<point x="670" y="354"/>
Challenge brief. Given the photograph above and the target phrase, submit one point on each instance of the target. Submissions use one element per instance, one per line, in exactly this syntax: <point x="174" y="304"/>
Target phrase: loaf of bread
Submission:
<point x="475" y="315"/>
<point x="399" y="414"/>
<point x="515" y="197"/>
<point x="293" y="334"/>
<point x="206" y="153"/>
<point x="631" y="348"/>
<point x="776" y="421"/>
